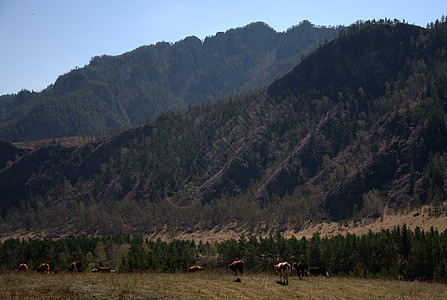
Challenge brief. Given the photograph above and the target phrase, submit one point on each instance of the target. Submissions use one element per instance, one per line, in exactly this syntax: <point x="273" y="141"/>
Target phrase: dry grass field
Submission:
<point x="415" y="218"/>
<point x="206" y="285"/>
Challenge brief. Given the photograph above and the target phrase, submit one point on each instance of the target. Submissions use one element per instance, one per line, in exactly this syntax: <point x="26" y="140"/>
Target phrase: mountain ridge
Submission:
<point x="277" y="158"/>
<point x="126" y="90"/>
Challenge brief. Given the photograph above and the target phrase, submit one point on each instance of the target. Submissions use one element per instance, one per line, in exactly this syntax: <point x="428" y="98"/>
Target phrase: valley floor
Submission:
<point x="206" y="285"/>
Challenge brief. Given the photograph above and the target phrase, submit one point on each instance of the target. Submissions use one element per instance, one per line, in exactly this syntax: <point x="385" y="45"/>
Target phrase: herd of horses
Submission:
<point x="75" y="266"/>
<point x="284" y="269"/>
<point x="302" y="268"/>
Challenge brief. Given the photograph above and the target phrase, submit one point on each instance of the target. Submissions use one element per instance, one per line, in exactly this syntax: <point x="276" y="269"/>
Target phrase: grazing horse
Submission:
<point x="23" y="268"/>
<point x="237" y="265"/>
<point x="195" y="269"/>
<point x="284" y="270"/>
<point x="318" y="271"/>
<point x="302" y="268"/>
<point x="75" y="266"/>
<point x="43" y="268"/>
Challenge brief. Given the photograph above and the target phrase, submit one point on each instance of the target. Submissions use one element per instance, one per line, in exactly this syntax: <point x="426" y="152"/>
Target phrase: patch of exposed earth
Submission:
<point x="422" y="218"/>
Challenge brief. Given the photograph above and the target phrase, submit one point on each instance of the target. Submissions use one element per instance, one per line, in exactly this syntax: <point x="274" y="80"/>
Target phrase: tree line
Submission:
<point x="388" y="254"/>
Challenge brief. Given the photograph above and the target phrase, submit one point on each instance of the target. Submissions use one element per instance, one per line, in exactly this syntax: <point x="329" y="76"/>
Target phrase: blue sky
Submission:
<point x="42" y="39"/>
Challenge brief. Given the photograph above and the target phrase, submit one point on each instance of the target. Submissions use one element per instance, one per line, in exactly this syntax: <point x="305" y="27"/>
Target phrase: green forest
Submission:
<point x="411" y="254"/>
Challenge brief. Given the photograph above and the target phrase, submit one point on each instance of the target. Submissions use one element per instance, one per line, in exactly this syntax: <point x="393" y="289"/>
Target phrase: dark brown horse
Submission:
<point x="75" y="266"/>
<point x="236" y="266"/>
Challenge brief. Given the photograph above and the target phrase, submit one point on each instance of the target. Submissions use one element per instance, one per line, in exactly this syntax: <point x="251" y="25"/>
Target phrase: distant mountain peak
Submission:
<point x="128" y="89"/>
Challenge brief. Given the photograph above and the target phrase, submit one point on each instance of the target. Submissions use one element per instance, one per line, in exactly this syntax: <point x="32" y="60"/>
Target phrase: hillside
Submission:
<point x="357" y="127"/>
<point x="126" y="90"/>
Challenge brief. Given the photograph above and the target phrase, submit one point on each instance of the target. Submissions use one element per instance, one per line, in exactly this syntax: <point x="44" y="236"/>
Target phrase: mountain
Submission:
<point x="127" y="90"/>
<point x="356" y="127"/>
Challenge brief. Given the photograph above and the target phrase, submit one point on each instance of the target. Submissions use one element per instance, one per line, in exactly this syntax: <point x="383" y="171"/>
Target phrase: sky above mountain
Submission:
<point x="41" y="40"/>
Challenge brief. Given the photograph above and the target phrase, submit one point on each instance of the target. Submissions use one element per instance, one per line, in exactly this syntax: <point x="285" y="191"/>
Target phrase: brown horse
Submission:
<point x="237" y="265"/>
<point x="75" y="266"/>
<point x="43" y="268"/>
<point x="23" y="268"/>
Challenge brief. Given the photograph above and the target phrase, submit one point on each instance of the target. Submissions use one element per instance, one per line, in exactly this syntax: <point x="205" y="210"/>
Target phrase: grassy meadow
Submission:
<point x="206" y="285"/>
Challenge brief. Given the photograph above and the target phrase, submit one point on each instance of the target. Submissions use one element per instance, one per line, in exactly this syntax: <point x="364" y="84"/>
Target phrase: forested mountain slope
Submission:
<point x="127" y="90"/>
<point x="358" y="125"/>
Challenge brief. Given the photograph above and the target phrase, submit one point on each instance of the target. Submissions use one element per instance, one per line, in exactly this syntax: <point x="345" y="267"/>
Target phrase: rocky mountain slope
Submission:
<point x="358" y="126"/>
